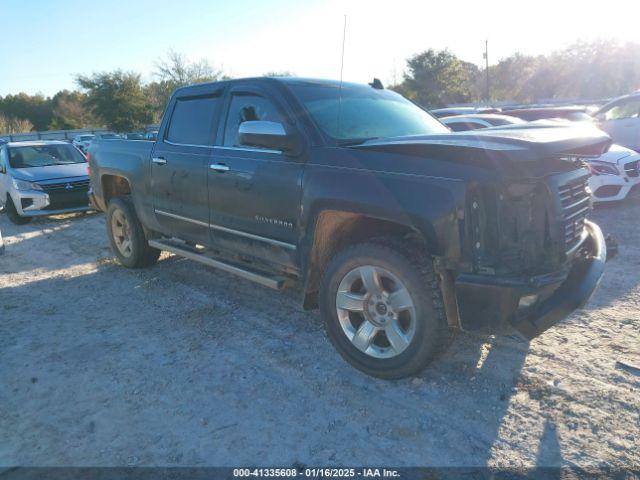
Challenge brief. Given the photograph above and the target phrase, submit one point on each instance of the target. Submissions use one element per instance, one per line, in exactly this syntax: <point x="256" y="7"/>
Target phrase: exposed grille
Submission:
<point x="65" y="186"/>
<point x="632" y="169"/>
<point x="575" y="201"/>
<point x="67" y="194"/>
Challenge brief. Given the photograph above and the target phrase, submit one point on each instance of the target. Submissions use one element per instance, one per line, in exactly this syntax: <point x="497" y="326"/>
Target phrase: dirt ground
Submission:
<point x="181" y="365"/>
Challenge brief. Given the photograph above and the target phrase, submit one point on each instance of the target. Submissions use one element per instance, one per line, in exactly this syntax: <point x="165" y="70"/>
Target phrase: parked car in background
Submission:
<point x="462" y="123"/>
<point x="82" y="141"/>
<point x="450" y="111"/>
<point x="42" y="178"/>
<point x="152" y="135"/>
<point x="106" y="136"/>
<point x="620" y="118"/>
<point x="615" y="173"/>
<point x="573" y="113"/>
<point x="381" y="219"/>
<point x="133" y="136"/>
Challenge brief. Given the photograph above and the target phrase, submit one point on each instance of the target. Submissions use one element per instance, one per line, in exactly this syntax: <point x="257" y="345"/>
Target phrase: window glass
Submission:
<point x="192" y="121"/>
<point x="44" y="156"/>
<point x="245" y="108"/>
<point x="624" y="110"/>
<point x="357" y="113"/>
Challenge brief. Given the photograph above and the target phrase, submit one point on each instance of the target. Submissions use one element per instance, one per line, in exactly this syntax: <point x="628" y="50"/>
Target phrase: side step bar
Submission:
<point x="277" y="283"/>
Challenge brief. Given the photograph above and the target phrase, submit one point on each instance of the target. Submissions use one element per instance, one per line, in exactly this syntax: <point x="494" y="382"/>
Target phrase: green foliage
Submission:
<point x="585" y="70"/>
<point x="70" y="111"/>
<point x="36" y="109"/>
<point x="9" y="125"/>
<point x="437" y="78"/>
<point x="117" y="99"/>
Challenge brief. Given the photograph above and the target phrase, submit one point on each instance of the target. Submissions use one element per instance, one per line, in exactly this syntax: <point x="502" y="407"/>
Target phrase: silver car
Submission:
<point x="620" y="118"/>
<point x="42" y="178"/>
<point x="83" y="141"/>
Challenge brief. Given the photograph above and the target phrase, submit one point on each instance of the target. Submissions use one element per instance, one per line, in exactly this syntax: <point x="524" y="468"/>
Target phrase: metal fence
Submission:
<point x="58" y="134"/>
<point x="51" y="134"/>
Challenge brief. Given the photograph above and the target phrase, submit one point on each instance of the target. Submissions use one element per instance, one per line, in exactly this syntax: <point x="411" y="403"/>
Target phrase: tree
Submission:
<point x="177" y="71"/>
<point x="9" y="125"/>
<point x="438" y="78"/>
<point x="117" y="99"/>
<point x="70" y="111"/>
<point x="37" y="109"/>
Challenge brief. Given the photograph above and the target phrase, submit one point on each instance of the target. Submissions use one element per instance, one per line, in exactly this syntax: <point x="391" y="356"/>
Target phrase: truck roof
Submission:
<point x="281" y="80"/>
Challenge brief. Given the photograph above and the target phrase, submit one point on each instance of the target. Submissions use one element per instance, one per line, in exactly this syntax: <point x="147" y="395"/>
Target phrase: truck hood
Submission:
<point x="37" y="174"/>
<point x="519" y="145"/>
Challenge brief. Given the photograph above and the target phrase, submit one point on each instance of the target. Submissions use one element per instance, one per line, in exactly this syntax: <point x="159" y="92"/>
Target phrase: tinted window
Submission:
<point x="355" y="113"/>
<point x="245" y="108"/>
<point x="192" y="121"/>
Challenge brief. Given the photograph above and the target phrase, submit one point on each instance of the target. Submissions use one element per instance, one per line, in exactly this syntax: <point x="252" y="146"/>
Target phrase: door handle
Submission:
<point x="159" y="160"/>
<point x="219" y="167"/>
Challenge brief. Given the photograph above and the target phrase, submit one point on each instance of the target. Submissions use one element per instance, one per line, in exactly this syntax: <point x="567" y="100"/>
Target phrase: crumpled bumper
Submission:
<point x="530" y="306"/>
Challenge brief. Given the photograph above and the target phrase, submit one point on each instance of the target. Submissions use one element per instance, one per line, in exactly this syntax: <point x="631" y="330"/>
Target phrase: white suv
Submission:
<point x="620" y="118"/>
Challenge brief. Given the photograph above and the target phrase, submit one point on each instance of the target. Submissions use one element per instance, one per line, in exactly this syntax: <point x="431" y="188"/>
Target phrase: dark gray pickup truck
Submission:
<point x="399" y="230"/>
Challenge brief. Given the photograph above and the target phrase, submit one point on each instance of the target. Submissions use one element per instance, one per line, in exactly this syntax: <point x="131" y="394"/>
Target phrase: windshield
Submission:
<point x="43" y="156"/>
<point x="360" y="113"/>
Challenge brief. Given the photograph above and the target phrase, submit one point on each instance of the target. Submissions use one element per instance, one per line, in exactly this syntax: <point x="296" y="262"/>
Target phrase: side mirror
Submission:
<point x="269" y="135"/>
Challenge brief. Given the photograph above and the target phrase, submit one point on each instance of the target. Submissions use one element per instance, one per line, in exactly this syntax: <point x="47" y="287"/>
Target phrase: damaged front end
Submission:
<point x="534" y="255"/>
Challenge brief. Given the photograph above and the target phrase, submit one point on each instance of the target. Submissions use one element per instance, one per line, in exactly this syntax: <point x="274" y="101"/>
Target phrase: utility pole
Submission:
<point x="486" y="60"/>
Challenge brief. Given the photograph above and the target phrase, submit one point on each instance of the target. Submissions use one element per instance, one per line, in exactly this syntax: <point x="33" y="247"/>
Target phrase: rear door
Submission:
<point x="254" y="194"/>
<point x="179" y="164"/>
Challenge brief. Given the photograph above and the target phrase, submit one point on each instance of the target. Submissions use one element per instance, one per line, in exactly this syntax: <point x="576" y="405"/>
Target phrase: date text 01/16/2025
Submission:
<point x="316" y="472"/>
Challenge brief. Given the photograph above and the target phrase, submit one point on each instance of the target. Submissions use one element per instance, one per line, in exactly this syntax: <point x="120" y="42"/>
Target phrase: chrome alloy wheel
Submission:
<point x="121" y="233"/>
<point x="376" y="311"/>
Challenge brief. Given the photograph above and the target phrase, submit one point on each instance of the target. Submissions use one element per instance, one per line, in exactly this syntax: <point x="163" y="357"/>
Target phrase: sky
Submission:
<point x="45" y="43"/>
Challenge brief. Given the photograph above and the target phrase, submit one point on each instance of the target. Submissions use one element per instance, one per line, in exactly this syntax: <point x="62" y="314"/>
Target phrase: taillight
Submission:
<point x="88" y="157"/>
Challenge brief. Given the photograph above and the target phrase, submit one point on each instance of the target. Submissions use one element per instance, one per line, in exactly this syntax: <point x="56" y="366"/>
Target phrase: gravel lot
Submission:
<point x="183" y="365"/>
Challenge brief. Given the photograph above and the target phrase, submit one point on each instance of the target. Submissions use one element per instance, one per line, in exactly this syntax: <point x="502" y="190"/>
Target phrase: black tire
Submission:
<point x="415" y="270"/>
<point x="13" y="215"/>
<point x="140" y="254"/>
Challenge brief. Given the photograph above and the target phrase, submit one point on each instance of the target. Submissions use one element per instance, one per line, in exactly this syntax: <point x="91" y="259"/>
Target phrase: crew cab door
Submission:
<point x="254" y="194"/>
<point x="179" y="164"/>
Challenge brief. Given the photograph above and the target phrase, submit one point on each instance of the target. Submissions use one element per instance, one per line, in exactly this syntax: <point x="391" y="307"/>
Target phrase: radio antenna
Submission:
<point x="344" y="36"/>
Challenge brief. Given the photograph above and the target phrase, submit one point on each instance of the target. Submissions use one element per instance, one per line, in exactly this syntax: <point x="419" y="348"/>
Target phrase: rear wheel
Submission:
<point x="13" y="215"/>
<point x="127" y="237"/>
<point x="383" y="309"/>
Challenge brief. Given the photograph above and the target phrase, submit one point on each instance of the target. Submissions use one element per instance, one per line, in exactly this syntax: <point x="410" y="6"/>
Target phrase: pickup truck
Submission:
<point x="398" y="229"/>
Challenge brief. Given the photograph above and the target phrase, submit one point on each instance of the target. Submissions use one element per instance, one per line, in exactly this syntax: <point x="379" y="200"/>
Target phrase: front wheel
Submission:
<point x="13" y="215"/>
<point x="382" y="308"/>
<point x="126" y="235"/>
